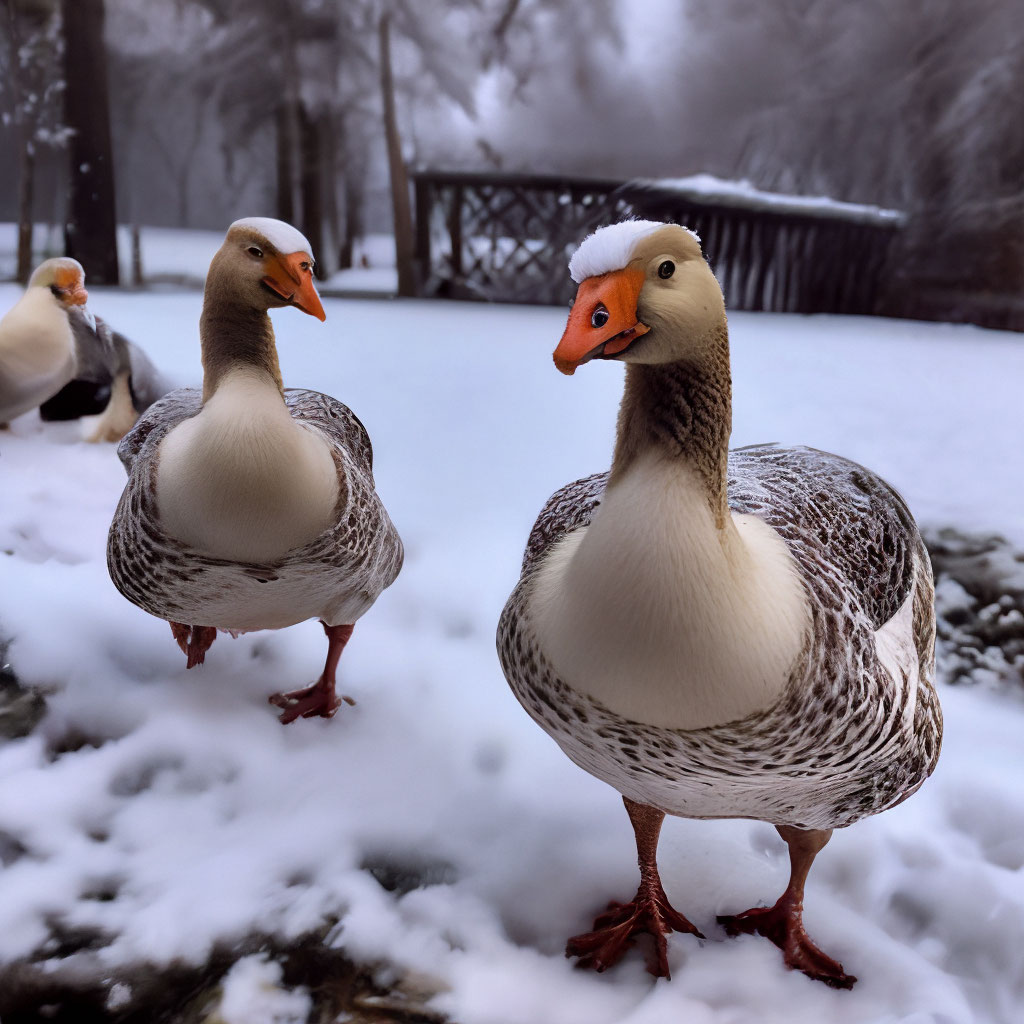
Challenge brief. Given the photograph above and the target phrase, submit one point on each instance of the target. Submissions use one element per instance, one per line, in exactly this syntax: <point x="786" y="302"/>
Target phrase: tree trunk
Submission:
<point x="285" y="200"/>
<point x="90" y="233"/>
<point x="288" y="116"/>
<point x="138" y="278"/>
<point x="26" y="182"/>
<point x="400" y="205"/>
<point x="329" y="184"/>
<point x="353" y="213"/>
<point x="26" y="151"/>
<point x="181" y="187"/>
<point x="352" y="195"/>
<point x="310" y="185"/>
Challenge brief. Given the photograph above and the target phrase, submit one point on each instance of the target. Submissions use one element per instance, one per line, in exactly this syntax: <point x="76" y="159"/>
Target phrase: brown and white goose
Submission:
<point x="249" y="505"/>
<point x="716" y="634"/>
<point x="57" y="356"/>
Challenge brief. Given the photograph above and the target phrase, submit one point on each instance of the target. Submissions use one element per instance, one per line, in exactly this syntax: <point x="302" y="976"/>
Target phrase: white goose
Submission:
<point x="57" y="356"/>
<point x="251" y="506"/>
<point x="717" y="634"/>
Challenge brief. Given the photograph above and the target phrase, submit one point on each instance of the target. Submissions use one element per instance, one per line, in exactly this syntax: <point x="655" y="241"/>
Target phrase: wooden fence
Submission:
<point x="508" y="238"/>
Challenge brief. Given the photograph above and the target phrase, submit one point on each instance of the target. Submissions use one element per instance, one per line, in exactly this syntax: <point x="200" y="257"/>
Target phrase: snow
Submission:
<point x="169" y="812"/>
<point x="609" y="248"/>
<point x="179" y="257"/>
<point x="285" y="238"/>
<point x="252" y="995"/>
<point x="707" y="187"/>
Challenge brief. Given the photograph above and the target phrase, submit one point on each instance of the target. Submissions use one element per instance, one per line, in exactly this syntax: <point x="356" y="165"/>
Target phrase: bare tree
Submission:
<point x="331" y="87"/>
<point x="400" y="204"/>
<point x="325" y="66"/>
<point x="90" y="234"/>
<point x="31" y="61"/>
<point x="301" y="50"/>
<point x="355" y="132"/>
<point x="909" y="104"/>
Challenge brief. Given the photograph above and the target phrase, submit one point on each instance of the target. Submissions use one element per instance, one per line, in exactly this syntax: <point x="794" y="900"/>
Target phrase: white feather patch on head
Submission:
<point x="611" y="247"/>
<point x="281" y="235"/>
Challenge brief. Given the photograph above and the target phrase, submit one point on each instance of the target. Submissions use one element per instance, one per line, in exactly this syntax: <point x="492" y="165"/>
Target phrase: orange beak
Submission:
<point x="603" y="321"/>
<point x="70" y="286"/>
<point x="294" y="283"/>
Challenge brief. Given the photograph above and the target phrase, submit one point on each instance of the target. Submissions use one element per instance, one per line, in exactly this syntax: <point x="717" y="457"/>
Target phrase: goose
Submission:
<point x="56" y="355"/>
<point x="249" y="505"/>
<point x="715" y="633"/>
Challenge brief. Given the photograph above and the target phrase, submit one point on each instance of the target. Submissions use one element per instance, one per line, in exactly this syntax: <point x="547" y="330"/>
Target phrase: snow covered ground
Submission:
<point x="178" y="256"/>
<point x="164" y="813"/>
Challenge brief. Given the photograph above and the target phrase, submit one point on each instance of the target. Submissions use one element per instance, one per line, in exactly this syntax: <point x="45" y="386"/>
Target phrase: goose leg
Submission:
<point x="194" y="641"/>
<point x="320" y="698"/>
<point x="648" y="913"/>
<point x="783" y="923"/>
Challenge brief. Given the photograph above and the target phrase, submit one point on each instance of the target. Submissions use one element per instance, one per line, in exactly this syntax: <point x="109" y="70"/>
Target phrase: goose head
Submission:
<point x="265" y="264"/>
<point x="65" y="279"/>
<point x="646" y="295"/>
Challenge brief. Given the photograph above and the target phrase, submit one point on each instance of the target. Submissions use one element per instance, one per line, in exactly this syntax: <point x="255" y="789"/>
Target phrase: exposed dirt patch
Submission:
<point x="69" y="992"/>
<point x="20" y="708"/>
<point x="979" y="605"/>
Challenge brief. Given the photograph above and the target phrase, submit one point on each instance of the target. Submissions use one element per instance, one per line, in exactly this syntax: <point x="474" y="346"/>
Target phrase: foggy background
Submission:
<point x="224" y="108"/>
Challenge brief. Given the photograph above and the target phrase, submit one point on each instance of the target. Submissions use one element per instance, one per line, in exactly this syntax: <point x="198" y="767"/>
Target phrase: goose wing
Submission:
<point x="142" y="441"/>
<point x="364" y="541"/>
<point x="336" y="420"/>
<point x="832" y="509"/>
<point x="569" y="508"/>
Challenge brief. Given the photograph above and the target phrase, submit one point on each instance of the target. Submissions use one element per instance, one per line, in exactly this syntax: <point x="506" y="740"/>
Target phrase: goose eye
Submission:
<point x="599" y="317"/>
<point x="666" y="270"/>
<point x="255" y="251"/>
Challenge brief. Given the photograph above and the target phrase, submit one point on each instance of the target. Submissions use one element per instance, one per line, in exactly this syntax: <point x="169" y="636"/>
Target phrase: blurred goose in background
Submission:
<point x="57" y="356"/>
<point x="248" y="505"/>
<point x="715" y="634"/>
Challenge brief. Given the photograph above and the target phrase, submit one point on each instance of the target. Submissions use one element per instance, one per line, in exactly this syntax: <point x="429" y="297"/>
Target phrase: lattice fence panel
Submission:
<point x="508" y="238"/>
